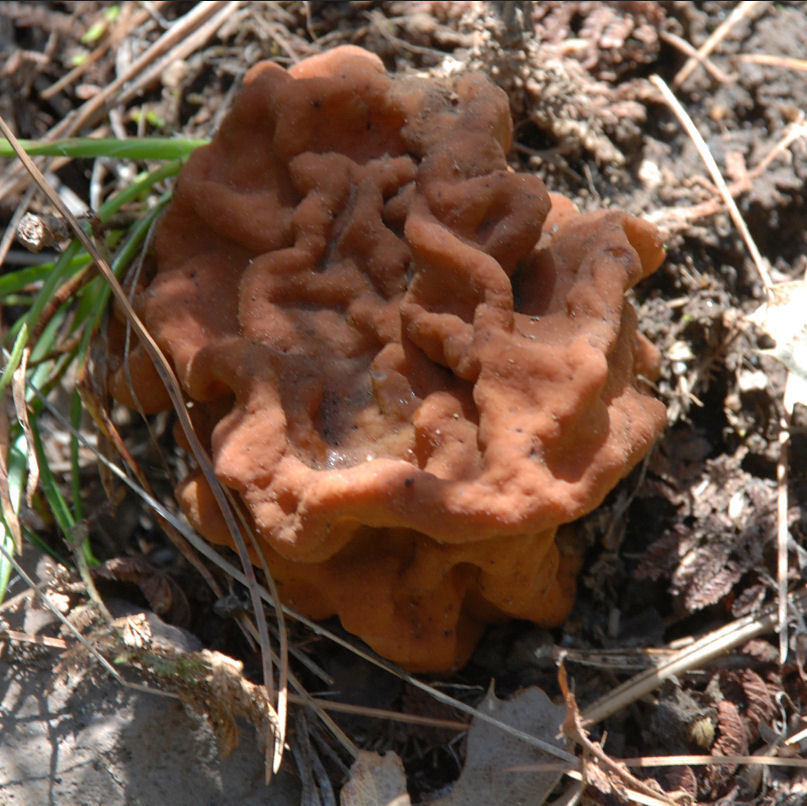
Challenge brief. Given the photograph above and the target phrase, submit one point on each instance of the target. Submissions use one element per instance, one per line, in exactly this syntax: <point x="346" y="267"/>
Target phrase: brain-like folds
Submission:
<point x="411" y="363"/>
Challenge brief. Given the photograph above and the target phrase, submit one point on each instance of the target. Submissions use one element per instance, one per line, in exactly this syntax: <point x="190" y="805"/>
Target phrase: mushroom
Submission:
<point x="412" y="364"/>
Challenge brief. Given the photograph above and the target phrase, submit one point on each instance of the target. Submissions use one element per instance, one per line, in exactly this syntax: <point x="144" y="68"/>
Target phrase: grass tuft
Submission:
<point x="63" y="305"/>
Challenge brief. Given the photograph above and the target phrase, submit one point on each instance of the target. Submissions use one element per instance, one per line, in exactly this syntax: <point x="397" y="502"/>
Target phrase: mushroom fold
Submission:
<point x="411" y="364"/>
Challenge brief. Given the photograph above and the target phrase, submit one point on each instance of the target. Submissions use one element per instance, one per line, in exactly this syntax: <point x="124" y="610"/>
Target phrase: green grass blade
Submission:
<point x="80" y="314"/>
<point x="138" y="188"/>
<point x="14" y="359"/>
<point x="16" y="281"/>
<point x="49" y="486"/>
<point x="70" y="261"/>
<point x="134" y="148"/>
<point x="76" y="410"/>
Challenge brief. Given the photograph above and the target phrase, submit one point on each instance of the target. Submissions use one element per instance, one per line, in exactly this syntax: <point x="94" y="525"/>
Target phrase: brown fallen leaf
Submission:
<point x="732" y="740"/>
<point x="375" y="780"/>
<point x="488" y="775"/>
<point x="164" y="596"/>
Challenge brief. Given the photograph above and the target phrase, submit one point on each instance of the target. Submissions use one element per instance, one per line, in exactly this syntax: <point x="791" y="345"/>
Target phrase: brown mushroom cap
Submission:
<point x="414" y="365"/>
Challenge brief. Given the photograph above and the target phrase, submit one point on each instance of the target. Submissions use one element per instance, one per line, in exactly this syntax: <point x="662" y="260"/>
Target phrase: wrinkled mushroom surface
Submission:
<point x="410" y="363"/>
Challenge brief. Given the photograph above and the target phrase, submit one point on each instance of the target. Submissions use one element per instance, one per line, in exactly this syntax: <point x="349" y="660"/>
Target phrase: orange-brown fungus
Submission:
<point x="411" y="363"/>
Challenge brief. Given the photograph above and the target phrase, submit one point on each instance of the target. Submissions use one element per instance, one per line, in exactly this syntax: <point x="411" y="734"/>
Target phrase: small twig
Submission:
<point x="38" y="232"/>
<point x="39" y="640"/>
<point x="794" y="131"/>
<point x="662" y="217"/>
<point x="694" y="656"/>
<point x="183" y="48"/>
<point x="676" y="41"/>
<point x="306" y="699"/>
<point x="623" y="659"/>
<point x="283" y="633"/>
<point x="717" y="177"/>
<point x="712" y="761"/>
<point x="177" y="42"/>
<point x="119" y="32"/>
<point x="677" y="761"/>
<point x="782" y="532"/>
<point x="625" y="795"/>
<point x="381" y="25"/>
<point x="796" y="738"/>
<point x="382" y="713"/>
<point x="309" y="26"/>
<point x="788" y="62"/>
<point x="573" y="729"/>
<point x="179" y="31"/>
<point x="718" y="35"/>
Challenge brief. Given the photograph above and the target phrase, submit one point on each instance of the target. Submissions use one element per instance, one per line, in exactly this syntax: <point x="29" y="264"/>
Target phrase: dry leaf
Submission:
<point x="375" y="780"/>
<point x="732" y="740"/>
<point x="9" y="510"/>
<point x="164" y="596"/>
<point x="783" y="318"/>
<point x="487" y="776"/>
<point x="760" y="706"/>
